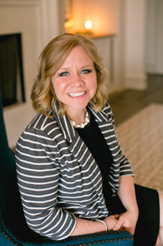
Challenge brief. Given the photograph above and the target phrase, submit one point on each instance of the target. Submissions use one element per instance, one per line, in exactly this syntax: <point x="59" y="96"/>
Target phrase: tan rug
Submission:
<point x="141" y="138"/>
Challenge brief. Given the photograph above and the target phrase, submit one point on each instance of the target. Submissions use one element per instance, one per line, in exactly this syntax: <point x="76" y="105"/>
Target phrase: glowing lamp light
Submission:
<point x="88" y="24"/>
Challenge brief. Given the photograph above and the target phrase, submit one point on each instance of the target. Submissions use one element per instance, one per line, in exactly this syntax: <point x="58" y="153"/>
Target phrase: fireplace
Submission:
<point x="11" y="69"/>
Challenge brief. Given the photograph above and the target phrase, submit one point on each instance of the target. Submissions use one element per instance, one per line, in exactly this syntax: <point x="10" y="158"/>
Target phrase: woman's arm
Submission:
<point x="126" y="193"/>
<point x="38" y="176"/>
<point x="88" y="226"/>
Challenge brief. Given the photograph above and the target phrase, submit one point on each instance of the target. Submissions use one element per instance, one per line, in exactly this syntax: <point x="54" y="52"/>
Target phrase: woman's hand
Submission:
<point x="127" y="221"/>
<point x="111" y="221"/>
<point x="127" y="195"/>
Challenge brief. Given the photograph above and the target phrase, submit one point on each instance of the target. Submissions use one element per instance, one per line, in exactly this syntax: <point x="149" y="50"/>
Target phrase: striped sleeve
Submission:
<point x="125" y="166"/>
<point x="38" y="177"/>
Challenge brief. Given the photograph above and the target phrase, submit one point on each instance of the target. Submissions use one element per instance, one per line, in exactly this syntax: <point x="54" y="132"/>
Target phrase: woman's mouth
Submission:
<point x="77" y="94"/>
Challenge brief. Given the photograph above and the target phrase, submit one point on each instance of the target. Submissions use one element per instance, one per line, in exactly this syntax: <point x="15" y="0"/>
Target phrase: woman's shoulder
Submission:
<point x="41" y="121"/>
<point x="42" y="125"/>
<point x="42" y="129"/>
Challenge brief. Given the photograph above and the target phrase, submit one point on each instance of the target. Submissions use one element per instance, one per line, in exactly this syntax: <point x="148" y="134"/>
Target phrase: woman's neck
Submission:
<point x="78" y="116"/>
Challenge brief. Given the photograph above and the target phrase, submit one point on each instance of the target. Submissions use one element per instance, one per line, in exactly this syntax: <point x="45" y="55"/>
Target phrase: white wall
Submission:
<point x="118" y="82"/>
<point x="135" y="38"/>
<point x="37" y="20"/>
<point x="154" y="38"/>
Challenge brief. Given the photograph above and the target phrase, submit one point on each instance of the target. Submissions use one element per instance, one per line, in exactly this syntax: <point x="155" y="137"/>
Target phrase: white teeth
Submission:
<point x="77" y="94"/>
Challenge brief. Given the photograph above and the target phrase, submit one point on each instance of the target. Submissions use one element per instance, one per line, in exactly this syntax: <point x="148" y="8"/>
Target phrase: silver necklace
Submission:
<point x="82" y="125"/>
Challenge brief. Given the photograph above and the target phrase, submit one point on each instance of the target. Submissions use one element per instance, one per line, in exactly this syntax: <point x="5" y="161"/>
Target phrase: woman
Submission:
<point x="73" y="176"/>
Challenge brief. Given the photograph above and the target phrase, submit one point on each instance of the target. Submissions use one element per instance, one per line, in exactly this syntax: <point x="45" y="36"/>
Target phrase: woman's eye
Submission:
<point x="64" y="74"/>
<point x="85" y="71"/>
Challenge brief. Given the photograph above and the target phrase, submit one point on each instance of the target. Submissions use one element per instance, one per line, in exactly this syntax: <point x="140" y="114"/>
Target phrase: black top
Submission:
<point x="96" y="143"/>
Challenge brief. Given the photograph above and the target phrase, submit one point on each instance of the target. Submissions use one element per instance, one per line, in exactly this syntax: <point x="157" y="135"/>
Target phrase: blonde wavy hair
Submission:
<point x="50" y="60"/>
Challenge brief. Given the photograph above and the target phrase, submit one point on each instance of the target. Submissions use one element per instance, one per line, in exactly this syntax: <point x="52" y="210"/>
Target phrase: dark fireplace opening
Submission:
<point x="11" y="69"/>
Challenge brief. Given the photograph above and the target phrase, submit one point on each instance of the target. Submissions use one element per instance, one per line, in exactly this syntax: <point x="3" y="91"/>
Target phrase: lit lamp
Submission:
<point x="88" y="24"/>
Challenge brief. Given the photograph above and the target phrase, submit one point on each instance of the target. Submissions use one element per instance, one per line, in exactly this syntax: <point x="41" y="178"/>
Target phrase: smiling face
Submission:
<point x="75" y="82"/>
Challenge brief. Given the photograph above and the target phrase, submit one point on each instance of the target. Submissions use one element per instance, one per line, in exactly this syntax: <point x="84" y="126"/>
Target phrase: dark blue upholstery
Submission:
<point x="13" y="228"/>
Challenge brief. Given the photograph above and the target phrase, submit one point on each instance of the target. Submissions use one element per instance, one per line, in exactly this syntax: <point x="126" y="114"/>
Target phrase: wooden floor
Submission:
<point x="126" y="103"/>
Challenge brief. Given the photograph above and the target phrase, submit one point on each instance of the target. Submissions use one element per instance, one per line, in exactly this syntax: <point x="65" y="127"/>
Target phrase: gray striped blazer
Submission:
<point x="58" y="177"/>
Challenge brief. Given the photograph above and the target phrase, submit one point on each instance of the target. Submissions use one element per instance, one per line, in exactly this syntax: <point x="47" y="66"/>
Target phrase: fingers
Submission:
<point x="116" y="216"/>
<point x="120" y="224"/>
<point x="111" y="221"/>
<point x="126" y="221"/>
<point x="123" y="224"/>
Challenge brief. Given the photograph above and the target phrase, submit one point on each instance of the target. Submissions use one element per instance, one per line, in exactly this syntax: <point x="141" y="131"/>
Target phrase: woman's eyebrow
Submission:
<point x="85" y="66"/>
<point x="66" y="68"/>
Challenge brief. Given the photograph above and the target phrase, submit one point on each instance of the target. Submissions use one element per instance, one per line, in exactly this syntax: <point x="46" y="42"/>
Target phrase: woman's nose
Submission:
<point x="76" y="81"/>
